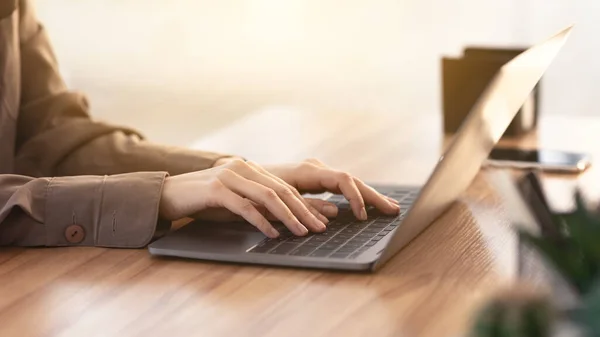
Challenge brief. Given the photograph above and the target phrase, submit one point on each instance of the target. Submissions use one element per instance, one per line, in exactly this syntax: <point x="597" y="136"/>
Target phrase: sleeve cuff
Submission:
<point x="119" y="211"/>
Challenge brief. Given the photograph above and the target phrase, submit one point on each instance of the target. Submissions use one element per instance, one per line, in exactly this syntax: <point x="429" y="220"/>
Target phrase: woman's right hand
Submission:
<point x="241" y="190"/>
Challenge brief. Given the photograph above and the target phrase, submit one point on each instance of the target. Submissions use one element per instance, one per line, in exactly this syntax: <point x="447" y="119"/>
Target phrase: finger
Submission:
<point x="393" y="200"/>
<point x="244" y="208"/>
<point x="324" y="207"/>
<point x="294" y="201"/>
<point x="344" y="182"/>
<point x="222" y="214"/>
<point x="372" y="197"/>
<point x="313" y="211"/>
<point x="264" y="196"/>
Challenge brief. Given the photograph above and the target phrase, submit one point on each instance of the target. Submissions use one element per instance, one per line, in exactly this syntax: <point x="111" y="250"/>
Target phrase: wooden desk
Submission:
<point x="430" y="289"/>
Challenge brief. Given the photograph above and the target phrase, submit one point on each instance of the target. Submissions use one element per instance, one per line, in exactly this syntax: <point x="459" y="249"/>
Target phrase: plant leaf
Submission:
<point x="584" y="228"/>
<point x="588" y="315"/>
<point x="565" y="258"/>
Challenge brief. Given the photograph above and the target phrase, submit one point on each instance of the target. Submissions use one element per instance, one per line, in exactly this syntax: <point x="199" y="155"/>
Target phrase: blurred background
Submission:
<point x="181" y="69"/>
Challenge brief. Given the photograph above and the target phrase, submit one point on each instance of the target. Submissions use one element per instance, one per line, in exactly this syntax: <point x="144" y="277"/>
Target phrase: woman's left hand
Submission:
<point x="312" y="176"/>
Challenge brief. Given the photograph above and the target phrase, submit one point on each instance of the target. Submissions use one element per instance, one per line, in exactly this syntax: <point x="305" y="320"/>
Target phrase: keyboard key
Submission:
<point x="340" y="255"/>
<point x="264" y="246"/>
<point x="284" y="233"/>
<point x="353" y="244"/>
<point x="336" y="241"/>
<point x="379" y="224"/>
<point x="346" y="250"/>
<point x="374" y="213"/>
<point x="312" y="243"/>
<point x="335" y="227"/>
<point x="360" y="240"/>
<point x="320" y="253"/>
<point x="329" y="246"/>
<point x="299" y="239"/>
<point x="350" y="231"/>
<point x="345" y="213"/>
<point x="344" y="236"/>
<point x="365" y="235"/>
<point x="356" y="226"/>
<point x="345" y="217"/>
<point x="302" y="251"/>
<point x="371" y="243"/>
<point x="284" y="248"/>
<point x="371" y="230"/>
<point x="320" y="238"/>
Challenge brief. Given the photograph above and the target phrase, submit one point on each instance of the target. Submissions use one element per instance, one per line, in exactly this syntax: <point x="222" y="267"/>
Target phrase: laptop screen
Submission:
<point x="478" y="134"/>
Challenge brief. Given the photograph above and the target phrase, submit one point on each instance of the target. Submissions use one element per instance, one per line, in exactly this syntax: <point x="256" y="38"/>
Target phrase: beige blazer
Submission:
<point x="64" y="178"/>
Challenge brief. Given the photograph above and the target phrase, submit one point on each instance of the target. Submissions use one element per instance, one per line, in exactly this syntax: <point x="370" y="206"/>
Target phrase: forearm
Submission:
<point x="119" y="152"/>
<point x="109" y="211"/>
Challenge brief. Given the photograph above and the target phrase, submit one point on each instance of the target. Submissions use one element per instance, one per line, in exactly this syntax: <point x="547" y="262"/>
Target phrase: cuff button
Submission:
<point x="74" y="234"/>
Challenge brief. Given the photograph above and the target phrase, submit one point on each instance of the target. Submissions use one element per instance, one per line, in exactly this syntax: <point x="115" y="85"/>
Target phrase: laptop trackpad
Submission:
<point x="215" y="237"/>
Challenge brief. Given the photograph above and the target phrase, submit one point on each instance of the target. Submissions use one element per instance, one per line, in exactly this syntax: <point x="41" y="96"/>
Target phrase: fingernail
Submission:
<point x="393" y="200"/>
<point x="363" y="214"/>
<point x="320" y="218"/>
<point x="321" y="226"/>
<point x="302" y="229"/>
<point x="330" y="210"/>
<point x="273" y="233"/>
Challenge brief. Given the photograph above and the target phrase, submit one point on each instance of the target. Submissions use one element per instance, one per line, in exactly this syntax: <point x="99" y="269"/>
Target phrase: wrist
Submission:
<point x="165" y="208"/>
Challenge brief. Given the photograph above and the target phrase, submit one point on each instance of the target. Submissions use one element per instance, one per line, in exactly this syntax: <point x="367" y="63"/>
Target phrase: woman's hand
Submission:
<point x="312" y="176"/>
<point x="237" y="189"/>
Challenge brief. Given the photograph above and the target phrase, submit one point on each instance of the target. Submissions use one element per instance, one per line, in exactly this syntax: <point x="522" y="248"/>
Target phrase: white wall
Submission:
<point x="151" y="63"/>
<point x="573" y="83"/>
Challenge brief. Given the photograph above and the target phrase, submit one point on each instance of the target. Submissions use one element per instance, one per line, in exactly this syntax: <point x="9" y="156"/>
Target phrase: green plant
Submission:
<point x="587" y="316"/>
<point x="517" y="312"/>
<point x="573" y="250"/>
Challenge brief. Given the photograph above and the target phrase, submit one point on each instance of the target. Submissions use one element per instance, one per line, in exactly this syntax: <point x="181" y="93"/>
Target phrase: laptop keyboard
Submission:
<point x="345" y="237"/>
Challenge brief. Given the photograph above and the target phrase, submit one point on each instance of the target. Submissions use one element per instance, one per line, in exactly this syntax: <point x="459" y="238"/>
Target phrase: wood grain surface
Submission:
<point x="429" y="289"/>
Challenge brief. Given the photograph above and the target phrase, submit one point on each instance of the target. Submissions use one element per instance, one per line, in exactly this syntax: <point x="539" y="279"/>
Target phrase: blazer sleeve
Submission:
<point x="107" y="179"/>
<point x="107" y="211"/>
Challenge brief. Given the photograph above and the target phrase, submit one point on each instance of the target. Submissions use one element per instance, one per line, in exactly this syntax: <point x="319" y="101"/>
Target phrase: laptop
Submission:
<point x="353" y="245"/>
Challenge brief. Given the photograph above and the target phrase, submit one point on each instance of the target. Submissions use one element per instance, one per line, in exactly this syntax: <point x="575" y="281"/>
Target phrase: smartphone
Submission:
<point x="541" y="159"/>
